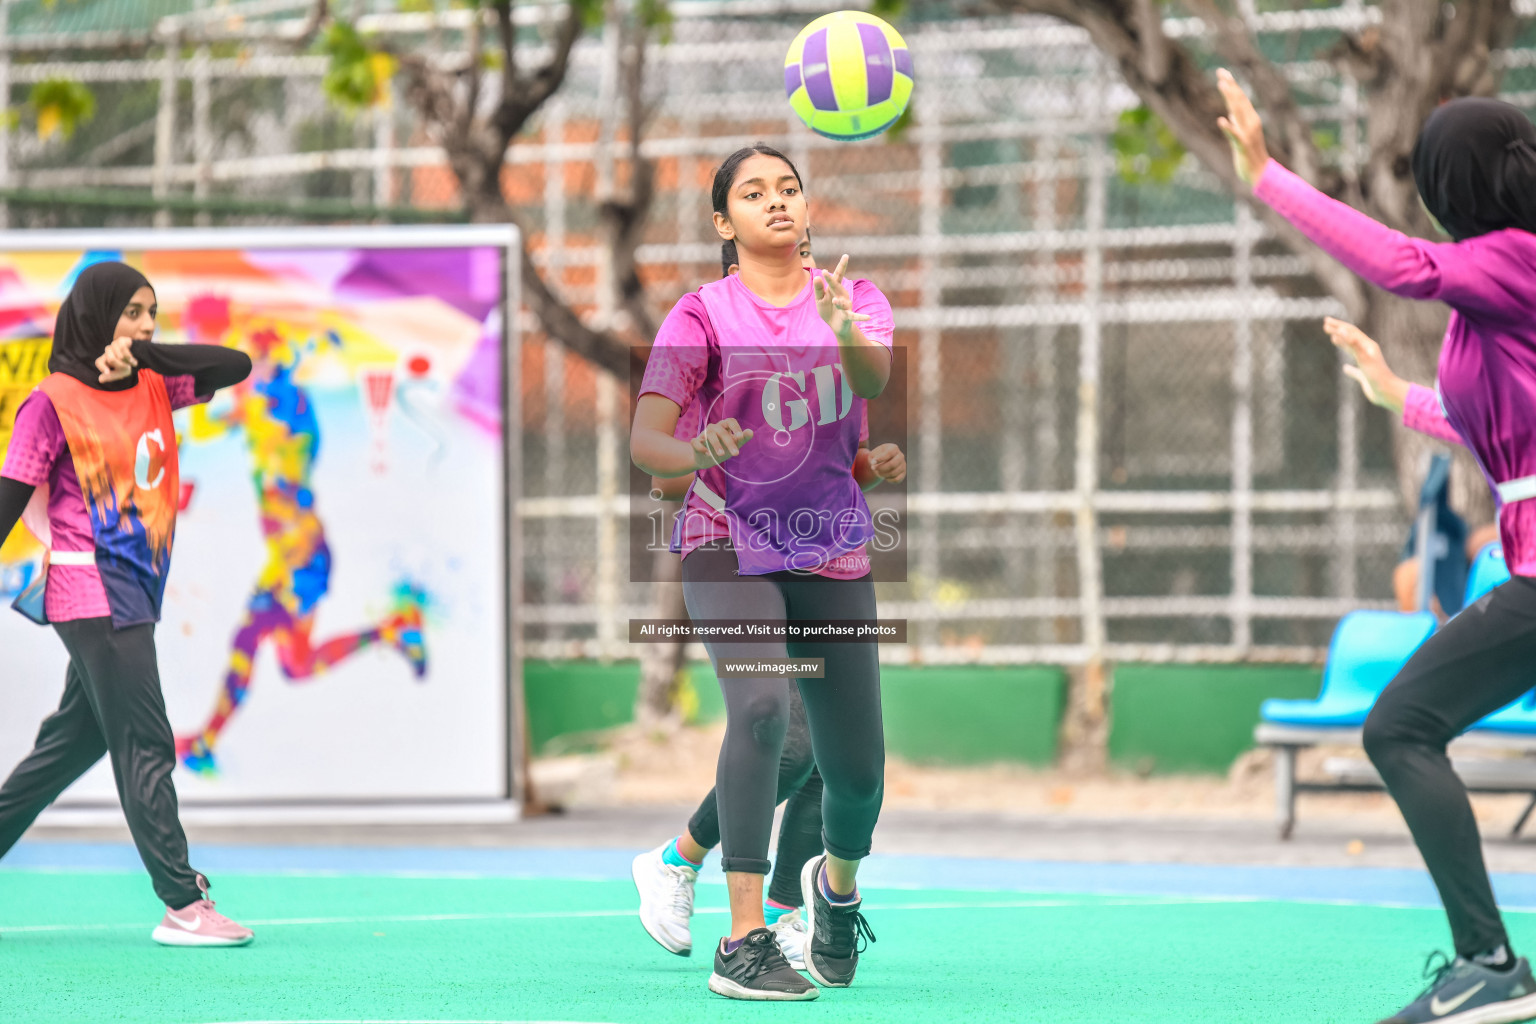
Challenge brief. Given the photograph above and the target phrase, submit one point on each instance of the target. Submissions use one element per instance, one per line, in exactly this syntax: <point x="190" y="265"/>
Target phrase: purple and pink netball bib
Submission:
<point x="790" y="497"/>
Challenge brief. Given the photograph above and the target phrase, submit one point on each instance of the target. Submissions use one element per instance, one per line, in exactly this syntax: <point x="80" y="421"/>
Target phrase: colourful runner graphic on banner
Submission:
<point x="282" y="434"/>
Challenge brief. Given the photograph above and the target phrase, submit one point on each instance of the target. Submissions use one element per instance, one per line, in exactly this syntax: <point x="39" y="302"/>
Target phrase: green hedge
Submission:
<point x="1195" y="718"/>
<point x="1165" y="718"/>
<point x="949" y="715"/>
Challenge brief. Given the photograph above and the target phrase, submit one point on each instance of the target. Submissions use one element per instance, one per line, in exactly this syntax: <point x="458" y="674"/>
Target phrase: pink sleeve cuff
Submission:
<point x="1422" y="413"/>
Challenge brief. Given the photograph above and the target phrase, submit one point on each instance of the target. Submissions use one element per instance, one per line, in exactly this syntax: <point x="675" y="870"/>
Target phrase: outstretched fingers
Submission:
<point x="1350" y="338"/>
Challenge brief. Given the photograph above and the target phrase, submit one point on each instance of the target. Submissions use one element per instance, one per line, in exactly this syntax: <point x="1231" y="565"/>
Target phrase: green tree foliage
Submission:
<point x="60" y="105"/>
<point x="1146" y="150"/>
<point x="358" y="74"/>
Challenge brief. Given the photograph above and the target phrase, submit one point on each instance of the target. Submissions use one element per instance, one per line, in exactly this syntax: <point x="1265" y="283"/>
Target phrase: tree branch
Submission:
<point x="1188" y="102"/>
<point x="1234" y="43"/>
<point x="1462" y="59"/>
<point x="1154" y="44"/>
<point x="317" y="17"/>
<point x="506" y="30"/>
<point x="427" y="90"/>
<point x="632" y="216"/>
<point x="474" y="69"/>
<point x="520" y="98"/>
<point x="476" y="152"/>
<point x="563" y="325"/>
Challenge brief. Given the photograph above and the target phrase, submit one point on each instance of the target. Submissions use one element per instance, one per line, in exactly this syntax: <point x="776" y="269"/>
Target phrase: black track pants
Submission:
<point x="112" y="705"/>
<point x="1478" y="662"/>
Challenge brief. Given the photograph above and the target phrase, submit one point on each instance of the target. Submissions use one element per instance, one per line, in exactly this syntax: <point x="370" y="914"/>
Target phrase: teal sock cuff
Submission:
<point x="772" y="911"/>
<point x="677" y="860"/>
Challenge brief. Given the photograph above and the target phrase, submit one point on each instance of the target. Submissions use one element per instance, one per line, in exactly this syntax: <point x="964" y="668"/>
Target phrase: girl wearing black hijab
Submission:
<point x="92" y="469"/>
<point x="1475" y="167"/>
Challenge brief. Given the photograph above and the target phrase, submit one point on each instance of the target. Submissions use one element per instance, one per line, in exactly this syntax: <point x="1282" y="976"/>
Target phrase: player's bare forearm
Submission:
<point x="660" y="454"/>
<point x="651" y="444"/>
<point x="866" y="363"/>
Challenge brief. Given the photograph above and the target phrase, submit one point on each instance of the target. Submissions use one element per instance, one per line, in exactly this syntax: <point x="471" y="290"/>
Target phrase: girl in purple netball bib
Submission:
<point x="780" y="361"/>
<point x="1474" y="164"/>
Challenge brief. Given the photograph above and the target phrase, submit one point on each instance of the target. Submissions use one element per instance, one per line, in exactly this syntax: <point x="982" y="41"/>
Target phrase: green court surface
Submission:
<point x="75" y="947"/>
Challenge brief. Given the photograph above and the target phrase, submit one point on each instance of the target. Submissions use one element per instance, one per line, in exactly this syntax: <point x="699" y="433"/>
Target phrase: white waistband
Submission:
<point x="1522" y="489"/>
<point x="706" y="492"/>
<point x="71" y="558"/>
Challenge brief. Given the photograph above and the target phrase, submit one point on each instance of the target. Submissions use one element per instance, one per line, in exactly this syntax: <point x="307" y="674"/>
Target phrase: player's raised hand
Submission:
<point x="889" y="463"/>
<point x="117" y="362"/>
<point x="834" y="303"/>
<point x="1377" y="381"/>
<point x="1243" y="128"/>
<point x="718" y="442"/>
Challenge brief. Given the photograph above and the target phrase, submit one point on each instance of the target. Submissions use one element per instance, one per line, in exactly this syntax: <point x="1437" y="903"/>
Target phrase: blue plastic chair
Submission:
<point x="1487" y="571"/>
<point x="1368" y="650"/>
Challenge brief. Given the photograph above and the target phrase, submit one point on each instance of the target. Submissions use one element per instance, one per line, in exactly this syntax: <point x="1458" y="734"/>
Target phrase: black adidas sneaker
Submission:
<point x="756" y="969"/>
<point x="837" y="931"/>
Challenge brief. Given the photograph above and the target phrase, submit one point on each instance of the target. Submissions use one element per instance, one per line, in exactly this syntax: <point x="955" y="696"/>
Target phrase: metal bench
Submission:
<point x="1479" y="774"/>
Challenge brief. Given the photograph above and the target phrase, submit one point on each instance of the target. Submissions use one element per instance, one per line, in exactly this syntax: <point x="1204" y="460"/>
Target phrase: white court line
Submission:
<point x="549" y="915"/>
<point x="537" y="915"/>
<point x="1129" y="901"/>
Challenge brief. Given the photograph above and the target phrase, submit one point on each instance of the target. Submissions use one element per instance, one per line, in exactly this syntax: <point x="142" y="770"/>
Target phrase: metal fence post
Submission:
<point x="165" y="119"/>
<point x="5" y="106"/>
<point x="1090" y="566"/>
<point x="1242" y="432"/>
<point x="202" y="134"/>
<point x="929" y="364"/>
<point x="553" y="434"/>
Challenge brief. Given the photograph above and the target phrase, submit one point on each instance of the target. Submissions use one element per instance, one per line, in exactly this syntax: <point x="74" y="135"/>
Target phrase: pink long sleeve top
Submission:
<point x="1488" y="358"/>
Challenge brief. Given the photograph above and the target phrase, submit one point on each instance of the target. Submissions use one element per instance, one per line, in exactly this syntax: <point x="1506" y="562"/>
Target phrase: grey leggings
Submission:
<point x="800" y="793"/>
<point x="843" y="709"/>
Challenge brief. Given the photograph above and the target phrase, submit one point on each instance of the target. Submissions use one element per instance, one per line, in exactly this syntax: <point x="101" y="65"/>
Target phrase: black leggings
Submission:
<point x="112" y="705"/>
<point x="1477" y="663"/>
<point x="800" y="831"/>
<point x="843" y="709"/>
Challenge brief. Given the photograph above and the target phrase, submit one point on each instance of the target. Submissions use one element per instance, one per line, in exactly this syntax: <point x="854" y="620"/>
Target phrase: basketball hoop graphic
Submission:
<point x="378" y="387"/>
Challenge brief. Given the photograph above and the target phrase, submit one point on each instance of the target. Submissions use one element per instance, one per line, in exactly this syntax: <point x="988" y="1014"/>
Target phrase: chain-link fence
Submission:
<point x="1127" y="434"/>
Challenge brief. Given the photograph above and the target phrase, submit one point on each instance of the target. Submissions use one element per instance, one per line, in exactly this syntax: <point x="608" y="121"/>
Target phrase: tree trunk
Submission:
<point x="1084" y="735"/>
<point x="662" y="663"/>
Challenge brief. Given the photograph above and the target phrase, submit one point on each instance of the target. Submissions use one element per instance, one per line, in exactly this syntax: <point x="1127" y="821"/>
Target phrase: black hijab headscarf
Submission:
<point x="1475" y="165"/>
<point x="88" y="319"/>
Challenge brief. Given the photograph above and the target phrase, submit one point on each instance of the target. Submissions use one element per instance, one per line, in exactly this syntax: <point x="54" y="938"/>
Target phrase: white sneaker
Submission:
<point x="666" y="900"/>
<point x="792" y="935"/>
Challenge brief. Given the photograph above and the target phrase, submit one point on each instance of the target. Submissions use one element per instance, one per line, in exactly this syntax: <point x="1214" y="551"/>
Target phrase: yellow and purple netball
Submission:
<point x="848" y="75"/>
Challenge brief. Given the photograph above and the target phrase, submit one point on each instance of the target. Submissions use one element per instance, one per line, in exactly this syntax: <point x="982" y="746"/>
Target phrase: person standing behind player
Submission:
<point x="778" y="351"/>
<point x="1475" y="167"/>
<point x="1418" y="409"/>
<point x="92" y="465"/>
<point x="665" y="876"/>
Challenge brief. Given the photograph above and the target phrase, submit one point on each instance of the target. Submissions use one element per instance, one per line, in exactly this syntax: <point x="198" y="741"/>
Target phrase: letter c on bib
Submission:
<point x="142" y="460"/>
